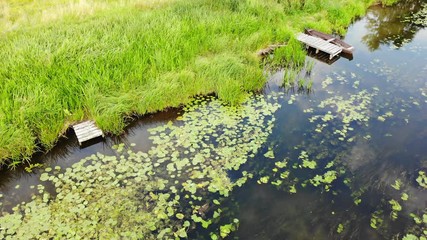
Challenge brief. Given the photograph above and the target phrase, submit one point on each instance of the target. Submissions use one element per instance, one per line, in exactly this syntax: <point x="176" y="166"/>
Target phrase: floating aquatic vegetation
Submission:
<point x="346" y="118"/>
<point x="341" y="77"/>
<point x="269" y="153"/>
<point x="317" y="171"/>
<point x="357" y="201"/>
<point x="354" y="109"/>
<point x="340" y="228"/>
<point x="424" y="93"/>
<point x="328" y="81"/>
<point x="396" y="207"/>
<point x="356" y="84"/>
<point x="225" y="230"/>
<point x="411" y="237"/>
<point x="292" y="98"/>
<point x="419" y="18"/>
<point x="281" y="164"/>
<point x="419" y="230"/>
<point x="397" y="184"/>
<point x="383" y="117"/>
<point x="306" y="163"/>
<point x="292" y="189"/>
<point x="343" y="120"/>
<point x="325" y="179"/>
<point x="32" y="166"/>
<point x="404" y="197"/>
<point x="163" y="193"/>
<point x="376" y="219"/>
<point x="263" y="180"/>
<point x="422" y="179"/>
<point x="341" y="112"/>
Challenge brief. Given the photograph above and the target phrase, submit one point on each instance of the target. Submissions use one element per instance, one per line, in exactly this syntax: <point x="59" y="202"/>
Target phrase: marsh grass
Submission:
<point x="298" y="77"/>
<point x="105" y="60"/>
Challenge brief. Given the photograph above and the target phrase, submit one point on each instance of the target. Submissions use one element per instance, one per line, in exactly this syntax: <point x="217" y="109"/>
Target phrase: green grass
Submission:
<point x="388" y="2"/>
<point x="65" y="61"/>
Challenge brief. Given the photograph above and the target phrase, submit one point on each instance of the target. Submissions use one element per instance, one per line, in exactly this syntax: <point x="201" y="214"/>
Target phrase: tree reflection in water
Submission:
<point x="386" y="27"/>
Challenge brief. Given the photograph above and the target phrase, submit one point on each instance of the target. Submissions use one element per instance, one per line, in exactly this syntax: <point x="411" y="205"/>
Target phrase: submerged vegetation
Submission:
<point x="64" y="61"/>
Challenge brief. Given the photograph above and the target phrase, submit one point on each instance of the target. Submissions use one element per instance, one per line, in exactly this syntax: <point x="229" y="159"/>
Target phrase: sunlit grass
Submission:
<point x="15" y="14"/>
<point x="64" y="61"/>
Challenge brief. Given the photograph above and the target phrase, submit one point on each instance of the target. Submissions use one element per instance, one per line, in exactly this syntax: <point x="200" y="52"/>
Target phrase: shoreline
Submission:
<point x="118" y="62"/>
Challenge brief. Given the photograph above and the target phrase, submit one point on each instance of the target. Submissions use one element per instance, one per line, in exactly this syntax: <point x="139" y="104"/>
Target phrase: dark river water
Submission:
<point x="383" y="89"/>
<point x="390" y="57"/>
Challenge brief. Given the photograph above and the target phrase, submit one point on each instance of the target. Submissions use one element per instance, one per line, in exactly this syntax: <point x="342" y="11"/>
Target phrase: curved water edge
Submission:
<point x="345" y="161"/>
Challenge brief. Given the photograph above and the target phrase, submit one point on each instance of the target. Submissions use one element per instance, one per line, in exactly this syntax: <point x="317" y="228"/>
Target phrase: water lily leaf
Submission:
<point x="405" y="196"/>
<point x="44" y="177"/>
<point x="225" y="230"/>
<point x="182" y="233"/>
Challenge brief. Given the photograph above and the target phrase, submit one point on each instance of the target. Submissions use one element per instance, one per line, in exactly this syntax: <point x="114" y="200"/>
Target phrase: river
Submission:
<point x="342" y="161"/>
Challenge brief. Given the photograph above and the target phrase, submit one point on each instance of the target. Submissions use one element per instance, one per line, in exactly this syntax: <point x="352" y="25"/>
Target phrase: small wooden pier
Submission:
<point x="86" y="131"/>
<point x="346" y="48"/>
<point x="320" y="44"/>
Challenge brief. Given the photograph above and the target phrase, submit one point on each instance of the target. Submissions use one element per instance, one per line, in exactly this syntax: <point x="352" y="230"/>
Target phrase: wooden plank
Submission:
<point x="86" y="131"/>
<point x="319" y="44"/>
<point x="333" y="51"/>
<point x="83" y="125"/>
<point x="81" y="134"/>
<point x="88" y="134"/>
<point x="82" y="140"/>
<point x="89" y="138"/>
<point x="94" y="133"/>
<point x="90" y="122"/>
<point x="83" y="128"/>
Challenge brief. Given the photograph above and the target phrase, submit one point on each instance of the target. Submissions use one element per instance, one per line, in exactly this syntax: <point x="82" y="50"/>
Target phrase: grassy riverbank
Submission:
<point x="64" y="61"/>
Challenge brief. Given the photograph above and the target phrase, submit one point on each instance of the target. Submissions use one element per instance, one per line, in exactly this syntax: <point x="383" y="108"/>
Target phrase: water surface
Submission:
<point x="390" y="63"/>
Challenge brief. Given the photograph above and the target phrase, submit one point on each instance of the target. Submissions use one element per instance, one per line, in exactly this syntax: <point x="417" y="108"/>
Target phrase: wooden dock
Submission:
<point x="320" y="44"/>
<point x="86" y="131"/>
<point x="322" y="57"/>
<point x="346" y="48"/>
